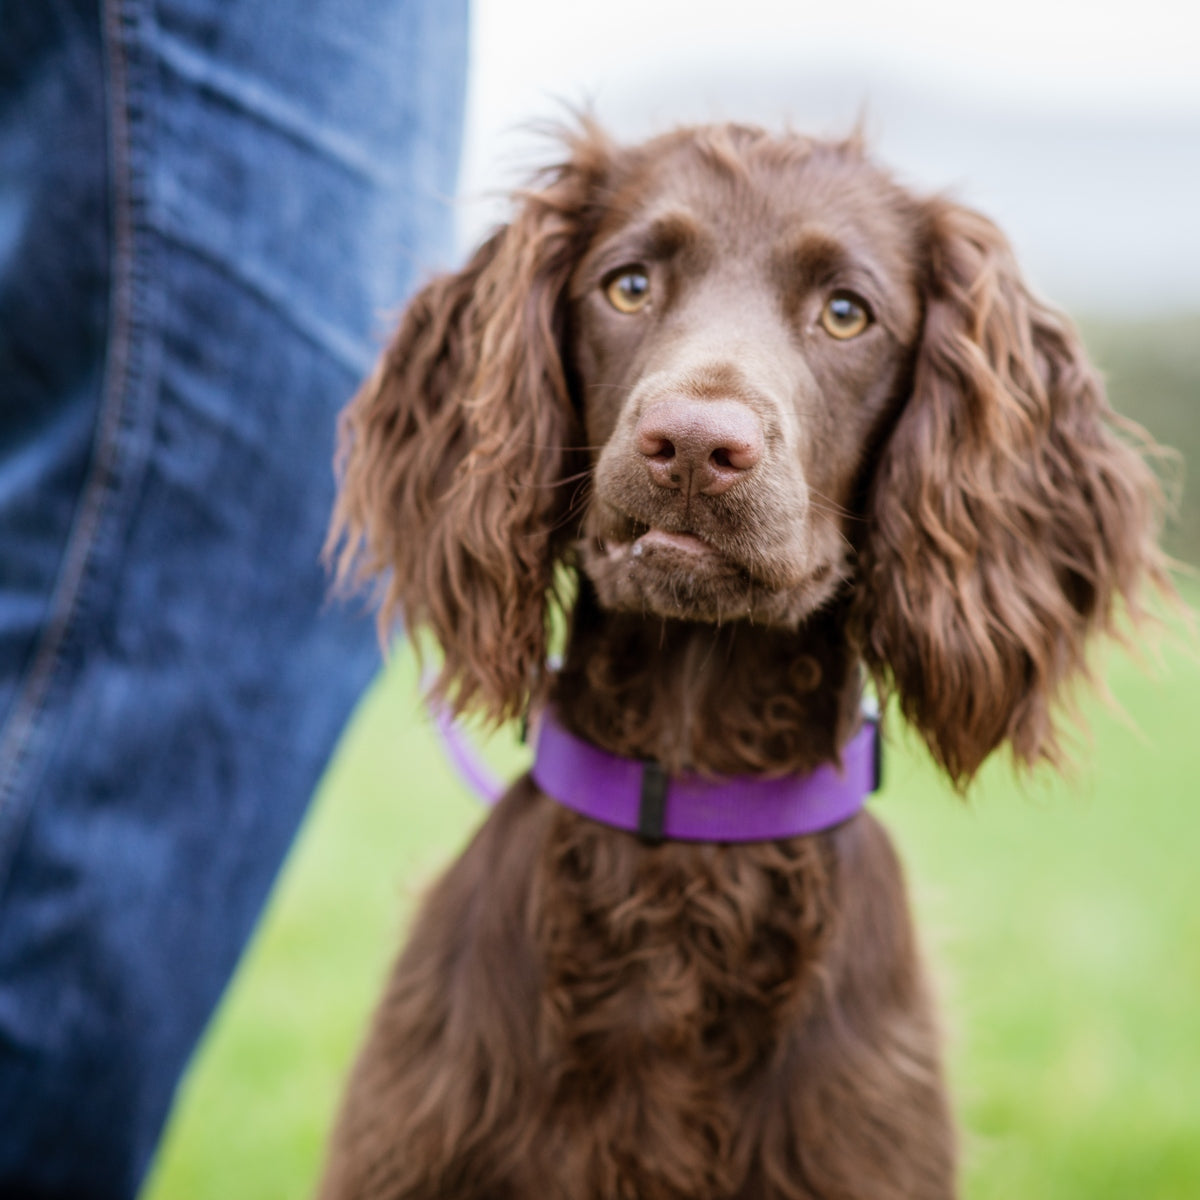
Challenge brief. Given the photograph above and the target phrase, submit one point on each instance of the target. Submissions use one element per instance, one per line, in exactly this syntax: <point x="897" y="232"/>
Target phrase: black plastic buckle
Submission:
<point x="876" y="754"/>
<point x="652" y="804"/>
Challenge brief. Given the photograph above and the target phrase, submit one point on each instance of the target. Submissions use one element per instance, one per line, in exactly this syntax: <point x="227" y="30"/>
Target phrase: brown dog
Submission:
<point x="778" y="419"/>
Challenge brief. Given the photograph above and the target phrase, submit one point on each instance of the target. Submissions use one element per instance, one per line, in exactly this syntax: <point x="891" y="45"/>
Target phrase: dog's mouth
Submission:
<point x="682" y="574"/>
<point x="666" y="542"/>
<point x="640" y="545"/>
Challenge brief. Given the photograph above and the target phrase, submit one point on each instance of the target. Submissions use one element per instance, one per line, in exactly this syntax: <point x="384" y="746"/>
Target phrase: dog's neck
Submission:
<point x="734" y="699"/>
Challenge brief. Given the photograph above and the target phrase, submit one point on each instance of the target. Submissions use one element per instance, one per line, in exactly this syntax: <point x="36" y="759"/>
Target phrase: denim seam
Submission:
<point x="116" y="423"/>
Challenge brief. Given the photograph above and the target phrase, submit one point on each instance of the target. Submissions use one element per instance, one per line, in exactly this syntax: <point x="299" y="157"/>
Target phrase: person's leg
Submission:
<point x="207" y="209"/>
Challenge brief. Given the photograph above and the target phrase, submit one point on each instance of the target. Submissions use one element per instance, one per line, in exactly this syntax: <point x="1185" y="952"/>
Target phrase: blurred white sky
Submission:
<point x="1076" y="125"/>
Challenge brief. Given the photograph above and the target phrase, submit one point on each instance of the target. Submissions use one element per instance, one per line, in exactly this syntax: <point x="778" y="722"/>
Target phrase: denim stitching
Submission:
<point x="116" y="441"/>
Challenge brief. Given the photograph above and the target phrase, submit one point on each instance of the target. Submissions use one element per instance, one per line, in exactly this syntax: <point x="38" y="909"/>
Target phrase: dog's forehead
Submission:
<point x="754" y="191"/>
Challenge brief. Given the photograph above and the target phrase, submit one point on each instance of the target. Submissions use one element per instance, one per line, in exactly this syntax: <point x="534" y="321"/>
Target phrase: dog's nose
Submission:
<point x="699" y="445"/>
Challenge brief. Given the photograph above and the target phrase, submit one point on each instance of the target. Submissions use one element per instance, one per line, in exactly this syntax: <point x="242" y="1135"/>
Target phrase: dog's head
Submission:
<point x="732" y="377"/>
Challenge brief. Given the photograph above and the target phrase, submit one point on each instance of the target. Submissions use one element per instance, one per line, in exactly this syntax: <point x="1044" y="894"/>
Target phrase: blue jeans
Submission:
<point x="208" y="209"/>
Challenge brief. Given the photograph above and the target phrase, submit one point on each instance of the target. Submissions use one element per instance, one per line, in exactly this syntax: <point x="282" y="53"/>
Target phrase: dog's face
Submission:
<point x="734" y="376"/>
<point x="739" y="332"/>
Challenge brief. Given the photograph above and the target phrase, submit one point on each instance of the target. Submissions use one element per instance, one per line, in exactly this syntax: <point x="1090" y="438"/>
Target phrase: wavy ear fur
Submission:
<point x="455" y="457"/>
<point x="1007" y="516"/>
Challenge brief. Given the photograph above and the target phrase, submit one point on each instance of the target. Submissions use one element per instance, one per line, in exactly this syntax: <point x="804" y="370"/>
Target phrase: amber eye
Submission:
<point x="628" y="290"/>
<point x="844" y="316"/>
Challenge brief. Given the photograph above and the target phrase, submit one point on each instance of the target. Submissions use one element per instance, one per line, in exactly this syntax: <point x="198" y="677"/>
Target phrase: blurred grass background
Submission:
<point x="1061" y="917"/>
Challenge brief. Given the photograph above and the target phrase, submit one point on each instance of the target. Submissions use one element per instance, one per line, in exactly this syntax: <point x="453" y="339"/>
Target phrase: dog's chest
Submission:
<point x="669" y="973"/>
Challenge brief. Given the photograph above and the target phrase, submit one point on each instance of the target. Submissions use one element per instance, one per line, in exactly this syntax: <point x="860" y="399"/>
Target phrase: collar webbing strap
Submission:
<point x="642" y="798"/>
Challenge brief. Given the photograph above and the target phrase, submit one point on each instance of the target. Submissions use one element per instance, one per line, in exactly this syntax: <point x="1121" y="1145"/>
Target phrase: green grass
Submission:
<point x="1066" y="923"/>
<point x="1152" y="370"/>
<point x="1062" y="921"/>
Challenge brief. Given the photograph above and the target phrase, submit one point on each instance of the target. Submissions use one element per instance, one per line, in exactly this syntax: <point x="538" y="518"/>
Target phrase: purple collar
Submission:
<point x="641" y="798"/>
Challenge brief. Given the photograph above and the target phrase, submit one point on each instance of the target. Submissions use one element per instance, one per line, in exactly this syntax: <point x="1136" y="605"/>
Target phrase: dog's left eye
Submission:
<point x="628" y="290"/>
<point x="845" y="316"/>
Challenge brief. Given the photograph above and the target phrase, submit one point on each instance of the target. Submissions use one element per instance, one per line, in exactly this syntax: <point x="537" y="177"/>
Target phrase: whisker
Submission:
<point x="565" y="479"/>
<point x="832" y="505"/>
<point x="849" y="544"/>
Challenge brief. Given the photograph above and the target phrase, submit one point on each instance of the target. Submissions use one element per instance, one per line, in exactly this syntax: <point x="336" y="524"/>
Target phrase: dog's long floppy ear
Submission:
<point x="454" y="457"/>
<point x="1008" y="515"/>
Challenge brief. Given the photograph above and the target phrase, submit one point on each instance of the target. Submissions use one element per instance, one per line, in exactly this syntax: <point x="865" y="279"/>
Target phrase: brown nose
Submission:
<point x="699" y="445"/>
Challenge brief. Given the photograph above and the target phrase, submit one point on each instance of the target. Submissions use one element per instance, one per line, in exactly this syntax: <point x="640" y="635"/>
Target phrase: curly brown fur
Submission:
<point x="754" y="511"/>
<point x="456" y="457"/>
<point x="579" y="1016"/>
<point x="1024" y="519"/>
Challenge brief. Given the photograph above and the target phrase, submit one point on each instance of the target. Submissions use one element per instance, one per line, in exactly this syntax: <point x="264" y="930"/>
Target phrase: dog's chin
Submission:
<point x="680" y="576"/>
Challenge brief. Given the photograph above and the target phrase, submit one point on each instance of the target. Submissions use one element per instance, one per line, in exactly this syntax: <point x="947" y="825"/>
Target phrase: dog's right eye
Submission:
<point x="845" y="316"/>
<point x="628" y="290"/>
